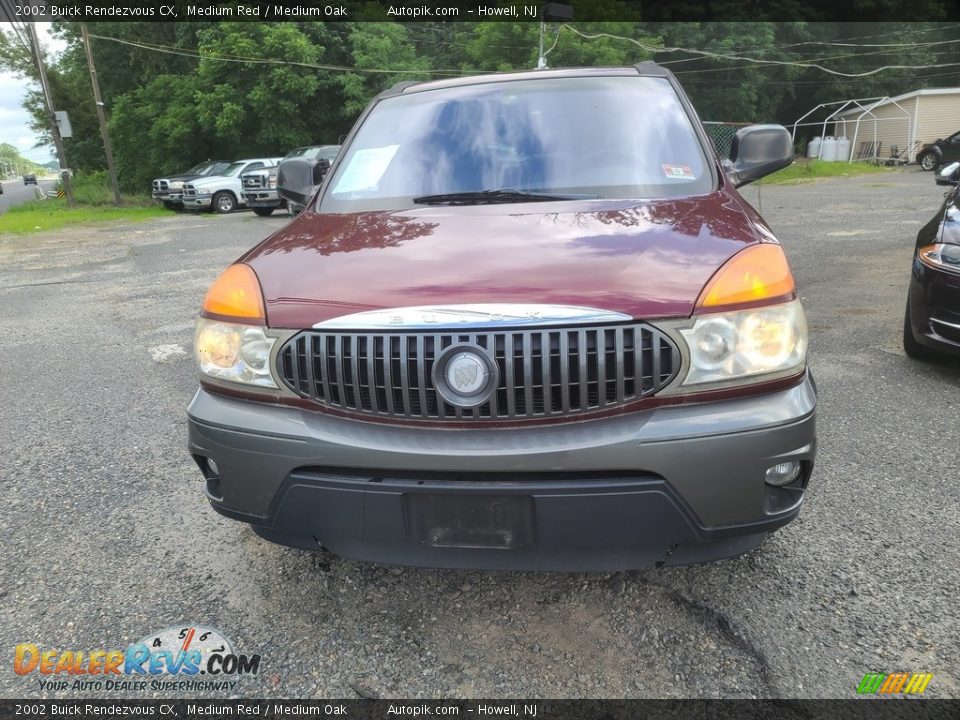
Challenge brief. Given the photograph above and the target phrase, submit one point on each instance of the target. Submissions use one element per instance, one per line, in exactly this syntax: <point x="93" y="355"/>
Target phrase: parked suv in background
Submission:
<point x="30" y="179"/>
<point x="298" y="180"/>
<point x="169" y="190"/>
<point x="260" y="191"/>
<point x="931" y="324"/>
<point x="939" y="152"/>
<point x="527" y="322"/>
<point x="222" y="192"/>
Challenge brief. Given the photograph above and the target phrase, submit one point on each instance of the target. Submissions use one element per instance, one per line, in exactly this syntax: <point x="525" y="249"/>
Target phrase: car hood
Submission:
<point x="649" y="259"/>
<point x="203" y="181"/>
<point x="183" y="178"/>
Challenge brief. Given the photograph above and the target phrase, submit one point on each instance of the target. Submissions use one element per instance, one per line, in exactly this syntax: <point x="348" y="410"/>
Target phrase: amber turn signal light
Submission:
<point x="760" y="272"/>
<point x="236" y="293"/>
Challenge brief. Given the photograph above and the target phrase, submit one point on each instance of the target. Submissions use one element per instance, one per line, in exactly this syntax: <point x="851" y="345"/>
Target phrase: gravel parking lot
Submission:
<point x="107" y="536"/>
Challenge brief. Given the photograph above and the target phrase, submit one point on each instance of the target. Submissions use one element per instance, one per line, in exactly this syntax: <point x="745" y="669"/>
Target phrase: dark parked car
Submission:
<point x="937" y="153"/>
<point x="931" y="325"/>
<point x="30" y="179"/>
<point x="301" y="172"/>
<point x="169" y="190"/>
<point x="525" y="323"/>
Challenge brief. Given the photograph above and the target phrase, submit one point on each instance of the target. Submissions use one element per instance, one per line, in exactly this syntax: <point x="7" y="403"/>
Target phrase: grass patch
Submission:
<point x="43" y="215"/>
<point x="94" y="205"/>
<point x="803" y="169"/>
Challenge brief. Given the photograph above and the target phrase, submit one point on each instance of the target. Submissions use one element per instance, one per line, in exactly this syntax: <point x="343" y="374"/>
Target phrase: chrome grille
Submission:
<point x="159" y="185"/>
<point x="254" y="181"/>
<point x="548" y="372"/>
<point x="189" y="191"/>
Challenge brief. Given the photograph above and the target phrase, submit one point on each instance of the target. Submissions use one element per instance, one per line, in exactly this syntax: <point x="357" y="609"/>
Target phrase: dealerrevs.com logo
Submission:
<point x="196" y="658"/>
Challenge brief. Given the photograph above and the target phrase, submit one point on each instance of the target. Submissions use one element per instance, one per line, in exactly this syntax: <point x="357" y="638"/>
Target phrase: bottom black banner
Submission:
<point x="879" y="709"/>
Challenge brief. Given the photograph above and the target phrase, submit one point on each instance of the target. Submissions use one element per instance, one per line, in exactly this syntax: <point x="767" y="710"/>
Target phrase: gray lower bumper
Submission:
<point x="683" y="483"/>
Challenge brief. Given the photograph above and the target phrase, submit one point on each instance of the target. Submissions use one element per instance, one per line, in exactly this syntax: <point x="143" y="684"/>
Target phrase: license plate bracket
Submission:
<point x="499" y="522"/>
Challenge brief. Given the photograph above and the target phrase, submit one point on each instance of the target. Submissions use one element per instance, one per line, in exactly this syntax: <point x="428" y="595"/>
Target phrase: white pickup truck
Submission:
<point x="222" y="192"/>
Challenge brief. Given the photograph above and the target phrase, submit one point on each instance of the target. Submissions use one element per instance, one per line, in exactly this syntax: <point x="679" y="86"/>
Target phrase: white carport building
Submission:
<point x="906" y="121"/>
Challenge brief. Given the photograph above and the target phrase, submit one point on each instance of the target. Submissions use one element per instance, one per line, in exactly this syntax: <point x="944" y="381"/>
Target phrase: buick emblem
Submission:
<point x="464" y="376"/>
<point x="466" y="373"/>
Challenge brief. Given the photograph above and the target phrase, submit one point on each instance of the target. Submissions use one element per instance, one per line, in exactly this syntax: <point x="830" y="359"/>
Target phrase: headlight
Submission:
<point x="941" y="256"/>
<point x="176" y="184"/>
<point x="231" y="351"/>
<point x="733" y="345"/>
<point x="272" y="182"/>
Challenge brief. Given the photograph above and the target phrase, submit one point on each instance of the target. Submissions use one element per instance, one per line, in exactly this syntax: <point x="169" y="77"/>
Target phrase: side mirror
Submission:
<point x="320" y="170"/>
<point x="948" y="174"/>
<point x="296" y="180"/>
<point x="759" y="150"/>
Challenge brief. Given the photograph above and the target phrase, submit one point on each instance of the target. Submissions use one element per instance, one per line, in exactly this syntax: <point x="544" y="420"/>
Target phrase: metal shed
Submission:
<point x="933" y="113"/>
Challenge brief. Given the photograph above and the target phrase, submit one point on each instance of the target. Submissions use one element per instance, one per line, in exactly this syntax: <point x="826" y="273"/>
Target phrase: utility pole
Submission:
<point x="54" y="128"/>
<point x="101" y="116"/>
<point x="541" y="60"/>
<point x="551" y="12"/>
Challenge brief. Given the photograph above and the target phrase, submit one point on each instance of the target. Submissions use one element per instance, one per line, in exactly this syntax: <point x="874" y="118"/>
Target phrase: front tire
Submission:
<point x="911" y="347"/>
<point x="929" y="161"/>
<point x="263" y="211"/>
<point x="224" y="202"/>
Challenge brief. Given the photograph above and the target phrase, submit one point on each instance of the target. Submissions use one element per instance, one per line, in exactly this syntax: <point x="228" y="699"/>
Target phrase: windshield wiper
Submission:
<point x="489" y="197"/>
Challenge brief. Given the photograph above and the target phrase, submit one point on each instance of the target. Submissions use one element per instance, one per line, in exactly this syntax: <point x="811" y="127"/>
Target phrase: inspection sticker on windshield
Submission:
<point x="678" y="171"/>
<point x="365" y="169"/>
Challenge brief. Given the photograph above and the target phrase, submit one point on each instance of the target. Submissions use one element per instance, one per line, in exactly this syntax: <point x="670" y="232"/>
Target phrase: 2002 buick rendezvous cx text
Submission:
<point x="527" y="322"/>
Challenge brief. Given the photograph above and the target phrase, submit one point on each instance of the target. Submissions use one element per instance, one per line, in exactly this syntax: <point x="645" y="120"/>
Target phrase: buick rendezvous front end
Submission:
<point x="491" y="341"/>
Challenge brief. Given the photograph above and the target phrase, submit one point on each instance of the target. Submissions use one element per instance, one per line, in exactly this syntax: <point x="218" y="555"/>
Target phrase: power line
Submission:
<point x="196" y="53"/>
<point x="787" y="63"/>
<point x="808" y="63"/>
<point x="839" y="41"/>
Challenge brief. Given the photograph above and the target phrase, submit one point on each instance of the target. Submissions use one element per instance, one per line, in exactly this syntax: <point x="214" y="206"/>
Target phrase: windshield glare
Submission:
<point x="625" y="137"/>
<point x="233" y="169"/>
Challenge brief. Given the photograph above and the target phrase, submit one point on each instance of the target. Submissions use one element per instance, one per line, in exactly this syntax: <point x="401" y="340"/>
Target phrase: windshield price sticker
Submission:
<point x="365" y="169"/>
<point x="678" y="171"/>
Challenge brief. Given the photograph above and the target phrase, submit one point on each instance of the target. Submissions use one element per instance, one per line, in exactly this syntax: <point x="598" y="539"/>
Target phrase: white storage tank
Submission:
<point x="843" y="149"/>
<point x="813" y="148"/>
<point x="828" y="149"/>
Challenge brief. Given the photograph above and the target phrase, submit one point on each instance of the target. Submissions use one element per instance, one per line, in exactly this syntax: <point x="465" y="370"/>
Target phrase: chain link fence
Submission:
<point x="722" y="135"/>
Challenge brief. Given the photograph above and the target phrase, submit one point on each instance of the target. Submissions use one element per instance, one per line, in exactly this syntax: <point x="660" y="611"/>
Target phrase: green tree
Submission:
<point x="155" y="130"/>
<point x="377" y="46"/>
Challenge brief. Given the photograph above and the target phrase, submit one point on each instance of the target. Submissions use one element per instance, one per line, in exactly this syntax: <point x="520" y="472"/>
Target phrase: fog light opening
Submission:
<point x="214" y="470"/>
<point x="783" y="473"/>
<point x="213" y="489"/>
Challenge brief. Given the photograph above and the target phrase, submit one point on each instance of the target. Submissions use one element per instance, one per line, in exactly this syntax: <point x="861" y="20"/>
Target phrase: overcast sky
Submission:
<point x="14" y="120"/>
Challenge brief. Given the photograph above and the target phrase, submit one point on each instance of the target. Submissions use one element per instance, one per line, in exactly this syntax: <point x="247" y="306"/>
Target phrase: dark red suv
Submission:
<point x="526" y="322"/>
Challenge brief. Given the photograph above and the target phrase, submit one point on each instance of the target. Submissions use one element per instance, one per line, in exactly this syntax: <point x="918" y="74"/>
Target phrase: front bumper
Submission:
<point x="261" y="198"/>
<point x="172" y="197"/>
<point x="670" y="485"/>
<point x="935" y="308"/>
<point x="198" y="201"/>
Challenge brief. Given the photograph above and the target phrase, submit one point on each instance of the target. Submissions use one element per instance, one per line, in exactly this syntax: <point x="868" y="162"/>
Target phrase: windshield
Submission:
<point x="624" y="137"/>
<point x="215" y="168"/>
<point x="327" y="152"/>
<point x="233" y="169"/>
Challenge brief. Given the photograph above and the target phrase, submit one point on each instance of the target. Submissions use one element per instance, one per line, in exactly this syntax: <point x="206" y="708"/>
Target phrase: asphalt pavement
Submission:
<point x="15" y="192"/>
<point x="107" y="536"/>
